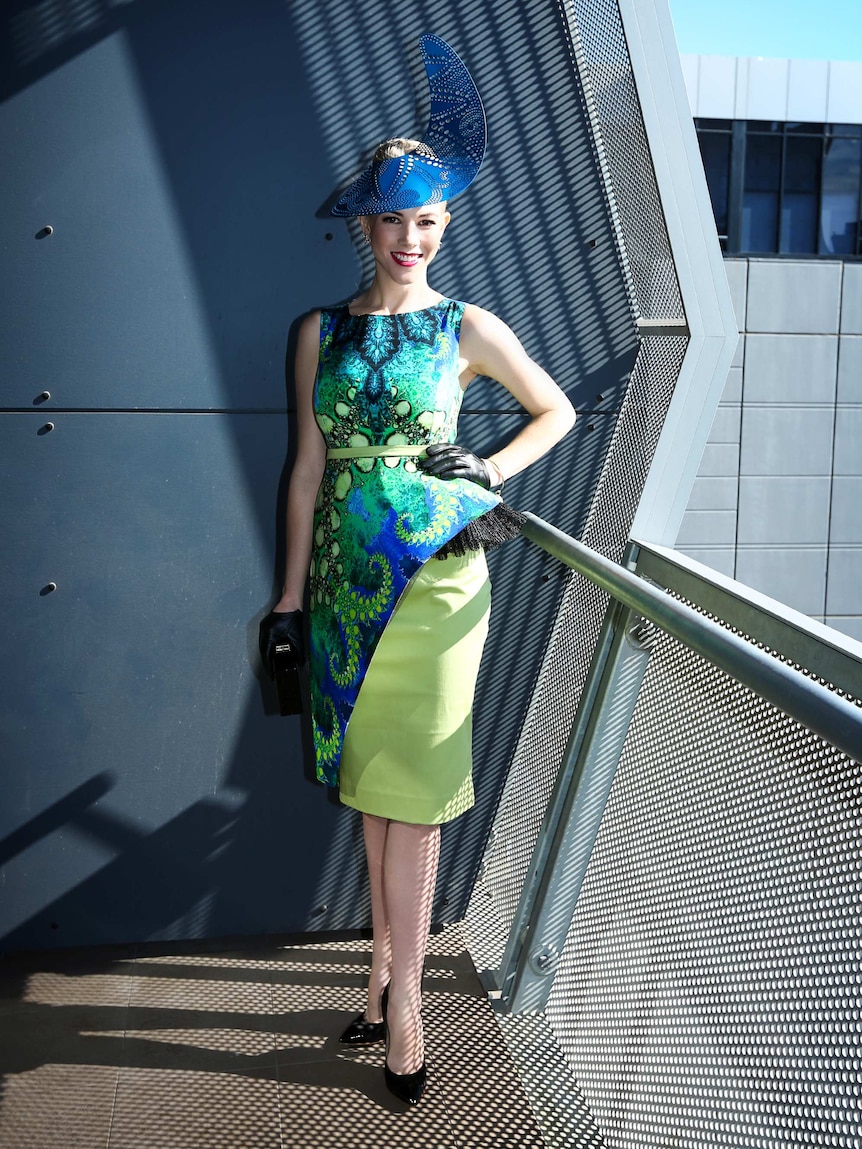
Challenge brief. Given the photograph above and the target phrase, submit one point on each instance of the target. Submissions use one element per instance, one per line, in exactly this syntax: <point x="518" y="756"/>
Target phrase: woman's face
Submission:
<point x="404" y="242"/>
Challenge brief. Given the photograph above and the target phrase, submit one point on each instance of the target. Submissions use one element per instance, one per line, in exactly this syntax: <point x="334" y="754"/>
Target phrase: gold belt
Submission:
<point x="403" y="450"/>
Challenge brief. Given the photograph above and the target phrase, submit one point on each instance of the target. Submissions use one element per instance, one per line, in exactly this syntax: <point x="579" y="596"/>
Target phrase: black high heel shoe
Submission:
<point x="362" y="1032"/>
<point x="407" y="1087"/>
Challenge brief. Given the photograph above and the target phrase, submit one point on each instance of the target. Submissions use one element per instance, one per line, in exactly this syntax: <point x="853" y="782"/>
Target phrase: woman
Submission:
<point x="378" y="490"/>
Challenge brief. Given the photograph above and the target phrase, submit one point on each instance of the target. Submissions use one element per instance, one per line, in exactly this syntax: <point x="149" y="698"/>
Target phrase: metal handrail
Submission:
<point x="821" y="710"/>
<point x="824" y="653"/>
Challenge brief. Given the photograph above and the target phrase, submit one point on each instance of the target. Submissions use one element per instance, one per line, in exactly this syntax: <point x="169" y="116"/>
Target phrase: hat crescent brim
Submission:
<point x="456" y="135"/>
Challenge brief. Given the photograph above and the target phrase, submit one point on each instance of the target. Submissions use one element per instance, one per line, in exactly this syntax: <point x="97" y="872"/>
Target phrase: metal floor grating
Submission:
<point x="234" y="1049"/>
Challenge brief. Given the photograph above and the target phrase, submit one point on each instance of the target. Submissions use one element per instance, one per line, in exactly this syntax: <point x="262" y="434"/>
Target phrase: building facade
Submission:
<point x="777" y="503"/>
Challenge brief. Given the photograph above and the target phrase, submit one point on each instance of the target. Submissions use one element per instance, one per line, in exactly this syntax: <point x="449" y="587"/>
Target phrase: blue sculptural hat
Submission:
<point x="453" y="145"/>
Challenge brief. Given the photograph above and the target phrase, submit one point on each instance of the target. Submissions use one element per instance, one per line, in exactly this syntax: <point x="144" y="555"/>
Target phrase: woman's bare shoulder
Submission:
<point x="482" y="322"/>
<point x="310" y="322"/>
<point x="474" y="314"/>
<point x="308" y="331"/>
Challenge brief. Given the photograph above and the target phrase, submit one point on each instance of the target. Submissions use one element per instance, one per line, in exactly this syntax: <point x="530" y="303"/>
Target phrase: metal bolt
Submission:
<point x="641" y="634"/>
<point x="544" y="960"/>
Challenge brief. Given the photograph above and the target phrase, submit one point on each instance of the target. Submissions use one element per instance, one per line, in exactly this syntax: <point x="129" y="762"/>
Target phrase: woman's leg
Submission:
<point x="409" y="876"/>
<point x="375" y="832"/>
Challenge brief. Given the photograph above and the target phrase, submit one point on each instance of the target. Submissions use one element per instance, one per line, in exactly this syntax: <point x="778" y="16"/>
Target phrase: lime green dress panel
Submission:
<point x="382" y="380"/>
<point x="408" y="749"/>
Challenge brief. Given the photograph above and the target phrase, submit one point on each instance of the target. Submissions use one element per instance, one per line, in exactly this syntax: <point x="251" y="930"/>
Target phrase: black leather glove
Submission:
<point x="277" y="628"/>
<point x="449" y="461"/>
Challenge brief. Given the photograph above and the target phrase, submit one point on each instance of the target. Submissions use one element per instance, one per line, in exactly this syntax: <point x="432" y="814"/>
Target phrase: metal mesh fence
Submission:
<point x="599" y="50"/>
<point x="644" y="408"/>
<point x="533" y="773"/>
<point x="602" y="56"/>
<point x="545" y="732"/>
<point x="709" y="991"/>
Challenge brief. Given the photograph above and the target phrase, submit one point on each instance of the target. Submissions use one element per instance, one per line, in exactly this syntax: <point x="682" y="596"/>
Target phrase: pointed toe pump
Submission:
<point x="407" y="1087"/>
<point x="362" y="1032"/>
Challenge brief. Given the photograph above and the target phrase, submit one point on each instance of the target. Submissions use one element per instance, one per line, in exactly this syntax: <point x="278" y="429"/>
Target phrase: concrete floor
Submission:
<point x="125" y="1050"/>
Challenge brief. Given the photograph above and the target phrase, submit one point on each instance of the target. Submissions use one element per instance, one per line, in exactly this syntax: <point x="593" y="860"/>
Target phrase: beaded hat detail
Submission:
<point x="455" y="138"/>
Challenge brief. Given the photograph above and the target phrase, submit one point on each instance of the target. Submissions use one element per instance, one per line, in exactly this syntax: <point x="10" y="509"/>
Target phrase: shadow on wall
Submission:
<point x="185" y="152"/>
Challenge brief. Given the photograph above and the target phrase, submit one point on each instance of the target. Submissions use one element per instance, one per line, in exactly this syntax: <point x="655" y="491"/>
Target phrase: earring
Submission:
<point x="366" y="237"/>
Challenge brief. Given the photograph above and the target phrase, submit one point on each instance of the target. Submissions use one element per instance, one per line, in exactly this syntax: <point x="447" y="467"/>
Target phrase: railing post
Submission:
<point x="575" y="812"/>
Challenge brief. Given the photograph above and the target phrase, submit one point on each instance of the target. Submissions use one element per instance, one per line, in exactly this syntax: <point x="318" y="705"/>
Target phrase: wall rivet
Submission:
<point x="49" y="588"/>
<point x="42" y="397"/>
<point x="46" y="429"/>
<point x="44" y="232"/>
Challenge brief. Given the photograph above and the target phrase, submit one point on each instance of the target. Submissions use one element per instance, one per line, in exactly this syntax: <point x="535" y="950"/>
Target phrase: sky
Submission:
<point x="798" y="29"/>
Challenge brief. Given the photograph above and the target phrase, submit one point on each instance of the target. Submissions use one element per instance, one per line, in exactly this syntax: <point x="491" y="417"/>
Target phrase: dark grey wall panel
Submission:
<point x="184" y="154"/>
<point x="165" y="158"/>
<point x="145" y="782"/>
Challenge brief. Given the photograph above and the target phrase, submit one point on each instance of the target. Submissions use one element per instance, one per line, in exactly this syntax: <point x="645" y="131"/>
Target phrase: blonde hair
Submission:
<point x="401" y="146"/>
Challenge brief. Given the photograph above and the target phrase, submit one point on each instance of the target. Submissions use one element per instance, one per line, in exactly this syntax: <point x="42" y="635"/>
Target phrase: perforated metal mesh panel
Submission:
<point x="653" y="379"/>
<point x="534" y="770"/>
<point x="609" y="89"/>
<point x="600" y="55"/>
<point x="709" y="991"/>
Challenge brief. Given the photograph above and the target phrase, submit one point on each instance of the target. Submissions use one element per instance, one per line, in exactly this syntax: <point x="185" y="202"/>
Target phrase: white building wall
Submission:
<point x="777" y="503"/>
<point x="758" y="88"/>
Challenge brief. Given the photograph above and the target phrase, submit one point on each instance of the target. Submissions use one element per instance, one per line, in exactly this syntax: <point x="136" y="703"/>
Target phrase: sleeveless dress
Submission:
<point x="396" y="639"/>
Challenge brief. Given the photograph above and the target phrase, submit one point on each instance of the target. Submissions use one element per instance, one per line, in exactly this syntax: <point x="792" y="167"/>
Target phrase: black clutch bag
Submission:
<point x="285" y="669"/>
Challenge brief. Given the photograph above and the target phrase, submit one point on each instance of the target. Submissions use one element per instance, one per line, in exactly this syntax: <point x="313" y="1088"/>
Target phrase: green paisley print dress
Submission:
<point x="382" y="381"/>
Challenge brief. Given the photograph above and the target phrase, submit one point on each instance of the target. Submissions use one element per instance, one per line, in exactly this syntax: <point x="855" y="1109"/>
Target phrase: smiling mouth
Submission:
<point x="406" y="258"/>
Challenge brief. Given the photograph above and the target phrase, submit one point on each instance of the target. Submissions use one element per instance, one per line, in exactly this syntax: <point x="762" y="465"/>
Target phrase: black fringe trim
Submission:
<point x="490" y="530"/>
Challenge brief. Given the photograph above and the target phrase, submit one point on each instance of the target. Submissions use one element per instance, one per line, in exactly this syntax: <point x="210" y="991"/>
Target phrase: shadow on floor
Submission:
<point x="240" y="1049"/>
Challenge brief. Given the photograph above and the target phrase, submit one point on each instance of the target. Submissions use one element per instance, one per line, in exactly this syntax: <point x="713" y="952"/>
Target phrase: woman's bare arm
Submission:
<point x="307" y="468"/>
<point x="491" y="348"/>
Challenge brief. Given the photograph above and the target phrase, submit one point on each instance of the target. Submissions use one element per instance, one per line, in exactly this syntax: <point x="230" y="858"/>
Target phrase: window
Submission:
<point x="761" y="194"/>
<point x="715" y="152"/>
<point x="799" y="203"/>
<point x="784" y="188"/>
<point x="839" y="217"/>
